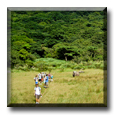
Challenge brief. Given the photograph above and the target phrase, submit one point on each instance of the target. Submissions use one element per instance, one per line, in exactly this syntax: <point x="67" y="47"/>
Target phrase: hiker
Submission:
<point x="37" y="93"/>
<point x="39" y="77"/>
<point x="43" y="74"/>
<point x="51" y="77"/>
<point x="46" y="80"/>
<point x="36" y="79"/>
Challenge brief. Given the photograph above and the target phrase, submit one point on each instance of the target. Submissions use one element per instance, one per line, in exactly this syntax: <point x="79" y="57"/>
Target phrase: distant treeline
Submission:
<point x="65" y="35"/>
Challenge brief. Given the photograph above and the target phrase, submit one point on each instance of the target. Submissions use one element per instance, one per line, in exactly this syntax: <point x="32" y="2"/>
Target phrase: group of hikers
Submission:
<point x="39" y="79"/>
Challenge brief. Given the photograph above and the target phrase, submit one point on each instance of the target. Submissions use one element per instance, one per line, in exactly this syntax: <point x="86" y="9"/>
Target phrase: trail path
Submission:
<point x="57" y="92"/>
<point x="48" y="93"/>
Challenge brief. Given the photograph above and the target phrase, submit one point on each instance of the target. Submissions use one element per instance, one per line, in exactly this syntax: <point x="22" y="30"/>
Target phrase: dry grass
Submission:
<point x="86" y="88"/>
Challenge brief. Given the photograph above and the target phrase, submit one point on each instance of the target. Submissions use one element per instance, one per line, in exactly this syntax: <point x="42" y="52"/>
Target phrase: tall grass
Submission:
<point x="70" y="64"/>
<point x="86" y="88"/>
<point x="43" y="64"/>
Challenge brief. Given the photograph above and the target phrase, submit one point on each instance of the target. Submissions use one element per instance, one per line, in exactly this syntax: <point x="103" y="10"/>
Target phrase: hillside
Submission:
<point x="65" y="35"/>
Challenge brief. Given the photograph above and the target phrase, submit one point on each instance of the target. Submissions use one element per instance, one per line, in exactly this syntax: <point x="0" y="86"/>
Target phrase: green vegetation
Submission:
<point x="78" y="36"/>
<point x="86" y="88"/>
<point x="59" y="42"/>
<point x="49" y="64"/>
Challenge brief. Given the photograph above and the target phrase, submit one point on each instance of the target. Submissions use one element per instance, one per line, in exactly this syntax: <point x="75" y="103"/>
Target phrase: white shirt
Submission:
<point x="39" y="76"/>
<point x="44" y="78"/>
<point x="43" y="74"/>
<point x="37" y="89"/>
<point x="36" y="78"/>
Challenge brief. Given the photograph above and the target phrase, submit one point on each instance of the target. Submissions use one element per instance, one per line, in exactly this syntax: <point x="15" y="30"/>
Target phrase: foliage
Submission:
<point x="65" y="35"/>
<point x="41" y="66"/>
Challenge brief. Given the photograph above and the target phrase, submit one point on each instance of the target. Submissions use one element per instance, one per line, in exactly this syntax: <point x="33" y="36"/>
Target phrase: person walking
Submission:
<point x="51" y="77"/>
<point x="36" y="79"/>
<point x="46" y="80"/>
<point x="39" y="77"/>
<point x="37" y="93"/>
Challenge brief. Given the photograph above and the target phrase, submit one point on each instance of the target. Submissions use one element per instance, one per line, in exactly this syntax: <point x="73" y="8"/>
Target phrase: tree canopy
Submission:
<point x="64" y="35"/>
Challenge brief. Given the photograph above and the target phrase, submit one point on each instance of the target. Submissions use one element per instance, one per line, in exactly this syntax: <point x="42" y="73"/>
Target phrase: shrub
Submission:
<point x="77" y="67"/>
<point x="54" y="65"/>
<point x="50" y="69"/>
<point x="66" y="65"/>
<point x="41" y="65"/>
<point x="84" y="63"/>
<point x="77" y="59"/>
<point x="31" y="57"/>
<point x="24" y="68"/>
<point x="91" y="66"/>
<point x="101" y="66"/>
<point x="29" y="63"/>
<point x="97" y="65"/>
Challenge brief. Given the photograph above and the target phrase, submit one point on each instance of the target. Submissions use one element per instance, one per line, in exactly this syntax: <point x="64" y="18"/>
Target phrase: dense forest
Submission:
<point x="65" y="35"/>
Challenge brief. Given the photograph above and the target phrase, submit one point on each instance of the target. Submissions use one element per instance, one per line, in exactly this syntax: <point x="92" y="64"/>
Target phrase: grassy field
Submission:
<point x="86" y="88"/>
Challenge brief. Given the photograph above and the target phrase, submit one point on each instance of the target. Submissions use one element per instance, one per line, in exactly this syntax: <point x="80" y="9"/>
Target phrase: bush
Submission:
<point x="66" y="65"/>
<point x="91" y="66"/>
<point x="24" y="68"/>
<point x="50" y="69"/>
<point x="97" y="65"/>
<point x="41" y="66"/>
<point x="17" y="66"/>
<point x="31" y="57"/>
<point x="77" y="67"/>
<point x="77" y="59"/>
<point x="84" y="63"/>
<point x="29" y="63"/>
<point x="101" y="66"/>
<point x="54" y="65"/>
